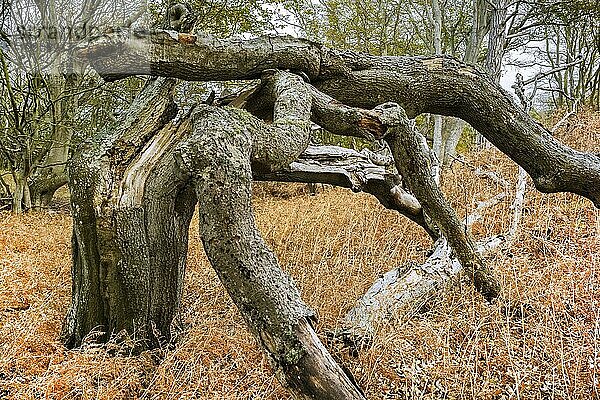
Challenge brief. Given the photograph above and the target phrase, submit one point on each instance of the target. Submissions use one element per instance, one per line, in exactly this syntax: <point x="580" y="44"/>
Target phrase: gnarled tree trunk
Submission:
<point x="131" y="215"/>
<point x="132" y="204"/>
<point x="52" y="173"/>
<point x="133" y="196"/>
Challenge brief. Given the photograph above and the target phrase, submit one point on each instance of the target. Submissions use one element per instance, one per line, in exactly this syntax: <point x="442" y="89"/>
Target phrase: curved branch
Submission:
<point x="413" y="161"/>
<point x="217" y="157"/>
<point x="439" y="85"/>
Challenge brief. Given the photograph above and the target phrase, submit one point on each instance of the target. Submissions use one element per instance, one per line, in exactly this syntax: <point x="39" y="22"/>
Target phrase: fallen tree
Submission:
<point x="134" y="185"/>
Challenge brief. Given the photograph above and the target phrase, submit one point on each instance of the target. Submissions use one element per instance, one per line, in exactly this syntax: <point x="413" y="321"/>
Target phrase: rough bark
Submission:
<point x="326" y="112"/>
<point x="365" y="171"/>
<point x="400" y="293"/>
<point x="114" y="210"/>
<point x="496" y="38"/>
<point x="413" y="160"/>
<point x="131" y="214"/>
<point x="226" y="146"/>
<point x="438" y="85"/>
<point x="452" y="88"/>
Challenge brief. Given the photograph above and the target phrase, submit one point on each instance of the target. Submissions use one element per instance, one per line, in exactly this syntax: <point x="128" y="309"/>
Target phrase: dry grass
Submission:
<point x="540" y="342"/>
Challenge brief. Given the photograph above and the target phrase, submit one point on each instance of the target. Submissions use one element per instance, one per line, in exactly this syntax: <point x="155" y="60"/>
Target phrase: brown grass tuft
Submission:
<point x="540" y="342"/>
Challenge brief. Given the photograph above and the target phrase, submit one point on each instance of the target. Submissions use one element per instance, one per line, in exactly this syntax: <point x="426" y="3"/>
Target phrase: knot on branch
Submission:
<point x="391" y="114"/>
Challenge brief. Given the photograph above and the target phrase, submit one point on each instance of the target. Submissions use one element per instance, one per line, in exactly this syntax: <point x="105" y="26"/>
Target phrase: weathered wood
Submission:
<point x="127" y="196"/>
<point x="131" y="214"/>
<point x="326" y="112"/>
<point x="219" y="158"/>
<point x="400" y="293"/>
<point x="438" y="85"/>
<point x="363" y="171"/>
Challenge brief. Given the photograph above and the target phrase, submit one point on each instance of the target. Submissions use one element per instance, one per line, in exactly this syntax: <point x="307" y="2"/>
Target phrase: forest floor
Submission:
<point x="335" y="244"/>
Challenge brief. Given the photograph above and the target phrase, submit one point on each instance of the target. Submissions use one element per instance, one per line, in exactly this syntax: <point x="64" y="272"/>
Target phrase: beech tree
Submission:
<point x="135" y="184"/>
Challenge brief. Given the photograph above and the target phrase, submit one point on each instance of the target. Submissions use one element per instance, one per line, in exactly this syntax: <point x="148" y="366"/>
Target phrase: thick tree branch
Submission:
<point x="401" y="292"/>
<point x="413" y="160"/>
<point x="439" y="85"/>
<point x="217" y="158"/>
<point x="365" y="171"/>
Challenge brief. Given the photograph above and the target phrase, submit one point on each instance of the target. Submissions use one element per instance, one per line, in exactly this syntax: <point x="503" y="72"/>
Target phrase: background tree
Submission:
<point x="45" y="90"/>
<point x="52" y="102"/>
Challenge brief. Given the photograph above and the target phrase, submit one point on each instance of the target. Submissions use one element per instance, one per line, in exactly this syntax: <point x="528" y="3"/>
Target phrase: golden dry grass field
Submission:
<point x="335" y="244"/>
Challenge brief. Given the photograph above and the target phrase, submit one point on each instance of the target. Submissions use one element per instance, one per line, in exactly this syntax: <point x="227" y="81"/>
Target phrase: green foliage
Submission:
<point x="223" y="17"/>
<point x="382" y="27"/>
<point x="467" y="139"/>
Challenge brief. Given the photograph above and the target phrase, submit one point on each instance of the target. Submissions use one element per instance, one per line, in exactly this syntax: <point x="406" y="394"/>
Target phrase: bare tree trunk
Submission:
<point x="52" y="173"/>
<point x="114" y="247"/>
<point x="131" y="214"/>
<point x="479" y="27"/>
<point x="133" y="196"/>
<point x="496" y="39"/>
<point x="18" y="194"/>
<point x="438" y="144"/>
<point x="495" y="50"/>
<point x="452" y="140"/>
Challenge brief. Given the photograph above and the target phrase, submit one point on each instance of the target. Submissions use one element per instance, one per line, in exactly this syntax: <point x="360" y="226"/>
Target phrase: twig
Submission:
<point x="566" y="116"/>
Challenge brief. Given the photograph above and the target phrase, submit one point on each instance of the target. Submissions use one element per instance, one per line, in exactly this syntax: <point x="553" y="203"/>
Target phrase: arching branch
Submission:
<point x="439" y="85"/>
